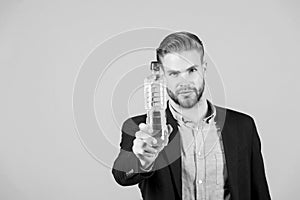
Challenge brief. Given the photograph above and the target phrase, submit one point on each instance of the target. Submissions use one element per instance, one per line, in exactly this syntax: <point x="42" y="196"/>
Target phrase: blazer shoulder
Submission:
<point x="234" y="113"/>
<point x="241" y="124"/>
<point x="241" y="118"/>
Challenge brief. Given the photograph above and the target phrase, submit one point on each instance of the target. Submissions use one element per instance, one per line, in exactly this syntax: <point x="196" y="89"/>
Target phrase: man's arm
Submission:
<point x="259" y="185"/>
<point x="127" y="168"/>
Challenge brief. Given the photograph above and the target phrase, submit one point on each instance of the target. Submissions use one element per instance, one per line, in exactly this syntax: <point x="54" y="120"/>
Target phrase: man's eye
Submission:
<point x="193" y="70"/>
<point x="173" y="74"/>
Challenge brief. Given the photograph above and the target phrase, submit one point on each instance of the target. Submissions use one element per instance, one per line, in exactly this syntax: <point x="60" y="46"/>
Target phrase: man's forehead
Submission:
<point x="182" y="60"/>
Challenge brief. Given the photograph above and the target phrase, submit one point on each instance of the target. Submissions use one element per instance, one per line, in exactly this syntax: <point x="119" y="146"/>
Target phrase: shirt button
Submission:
<point x="200" y="181"/>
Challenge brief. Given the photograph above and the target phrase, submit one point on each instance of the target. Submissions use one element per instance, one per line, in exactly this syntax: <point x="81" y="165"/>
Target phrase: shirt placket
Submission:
<point x="188" y="150"/>
<point x="199" y="150"/>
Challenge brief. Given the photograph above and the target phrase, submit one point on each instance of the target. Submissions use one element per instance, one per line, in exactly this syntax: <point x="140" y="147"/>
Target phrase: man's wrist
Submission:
<point x="147" y="168"/>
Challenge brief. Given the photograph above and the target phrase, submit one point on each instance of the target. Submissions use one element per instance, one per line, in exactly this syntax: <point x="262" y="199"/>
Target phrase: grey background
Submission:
<point x="43" y="44"/>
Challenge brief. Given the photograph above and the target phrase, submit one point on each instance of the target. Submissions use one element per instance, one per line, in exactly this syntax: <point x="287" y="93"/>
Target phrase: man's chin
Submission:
<point x="187" y="103"/>
<point x="185" y="100"/>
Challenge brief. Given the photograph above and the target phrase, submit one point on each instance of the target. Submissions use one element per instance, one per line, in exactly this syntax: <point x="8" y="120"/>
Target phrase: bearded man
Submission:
<point x="213" y="153"/>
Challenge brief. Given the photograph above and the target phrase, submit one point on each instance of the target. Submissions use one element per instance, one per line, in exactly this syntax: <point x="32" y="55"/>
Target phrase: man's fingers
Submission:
<point x="145" y="128"/>
<point x="141" y="146"/>
<point x="142" y="135"/>
<point x="146" y="138"/>
<point x="150" y="141"/>
<point x="148" y="155"/>
<point x="149" y="149"/>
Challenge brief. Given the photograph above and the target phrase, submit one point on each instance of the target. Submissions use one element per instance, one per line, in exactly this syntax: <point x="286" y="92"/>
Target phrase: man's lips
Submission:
<point x="185" y="91"/>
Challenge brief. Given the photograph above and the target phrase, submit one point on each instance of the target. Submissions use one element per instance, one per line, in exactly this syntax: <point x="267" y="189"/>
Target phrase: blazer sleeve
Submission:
<point x="259" y="186"/>
<point x="126" y="168"/>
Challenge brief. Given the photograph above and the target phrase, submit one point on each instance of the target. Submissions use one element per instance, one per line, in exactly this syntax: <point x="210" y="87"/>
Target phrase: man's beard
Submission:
<point x="187" y="101"/>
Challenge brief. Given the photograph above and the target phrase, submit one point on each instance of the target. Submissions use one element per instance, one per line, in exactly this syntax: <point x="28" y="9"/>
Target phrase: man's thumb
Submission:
<point x="170" y="129"/>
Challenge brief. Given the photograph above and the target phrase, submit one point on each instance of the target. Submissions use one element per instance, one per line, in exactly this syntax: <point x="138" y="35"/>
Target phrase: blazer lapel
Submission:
<point x="230" y="143"/>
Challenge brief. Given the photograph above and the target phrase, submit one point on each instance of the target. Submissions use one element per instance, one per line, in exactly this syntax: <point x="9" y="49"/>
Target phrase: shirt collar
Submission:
<point x="210" y="114"/>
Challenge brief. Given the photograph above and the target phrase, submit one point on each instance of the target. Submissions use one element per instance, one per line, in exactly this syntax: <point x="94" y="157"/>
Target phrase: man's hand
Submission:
<point x="145" y="146"/>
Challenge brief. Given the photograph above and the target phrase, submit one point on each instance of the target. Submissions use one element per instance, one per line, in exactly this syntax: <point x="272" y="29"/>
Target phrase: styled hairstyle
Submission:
<point x="178" y="42"/>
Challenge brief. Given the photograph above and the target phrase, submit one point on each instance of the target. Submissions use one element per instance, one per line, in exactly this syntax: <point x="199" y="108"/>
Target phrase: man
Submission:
<point x="213" y="152"/>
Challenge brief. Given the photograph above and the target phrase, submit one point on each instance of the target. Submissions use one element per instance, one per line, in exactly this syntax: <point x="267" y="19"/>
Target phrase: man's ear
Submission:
<point x="204" y="63"/>
<point x="204" y="66"/>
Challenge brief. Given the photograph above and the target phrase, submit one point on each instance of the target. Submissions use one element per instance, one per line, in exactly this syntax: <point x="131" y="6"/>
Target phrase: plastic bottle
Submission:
<point x="155" y="95"/>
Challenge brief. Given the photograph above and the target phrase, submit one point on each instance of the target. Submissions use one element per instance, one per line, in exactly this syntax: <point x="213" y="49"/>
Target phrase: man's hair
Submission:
<point x="178" y="42"/>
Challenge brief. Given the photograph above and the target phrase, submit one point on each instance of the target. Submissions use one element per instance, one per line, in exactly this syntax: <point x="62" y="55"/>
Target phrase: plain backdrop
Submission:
<point x="254" y="44"/>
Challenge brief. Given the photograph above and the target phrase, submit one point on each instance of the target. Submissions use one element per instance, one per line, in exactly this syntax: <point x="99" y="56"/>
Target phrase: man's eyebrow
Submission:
<point x="177" y="71"/>
<point x="170" y="70"/>
<point x="191" y="67"/>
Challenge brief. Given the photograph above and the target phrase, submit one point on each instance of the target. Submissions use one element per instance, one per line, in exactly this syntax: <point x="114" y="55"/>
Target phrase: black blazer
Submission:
<point x="242" y="148"/>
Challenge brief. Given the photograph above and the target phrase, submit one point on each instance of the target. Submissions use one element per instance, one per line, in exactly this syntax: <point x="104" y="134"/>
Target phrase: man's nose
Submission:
<point x="184" y="76"/>
<point x="183" y="82"/>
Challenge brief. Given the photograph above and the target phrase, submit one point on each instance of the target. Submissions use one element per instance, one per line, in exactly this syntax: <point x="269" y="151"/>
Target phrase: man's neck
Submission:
<point x="196" y="113"/>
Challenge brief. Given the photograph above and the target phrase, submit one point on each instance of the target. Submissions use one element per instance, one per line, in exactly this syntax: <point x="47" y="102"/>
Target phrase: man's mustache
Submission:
<point x="184" y="89"/>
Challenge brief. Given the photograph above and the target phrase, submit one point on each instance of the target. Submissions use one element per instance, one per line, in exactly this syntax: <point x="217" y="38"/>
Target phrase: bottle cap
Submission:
<point x="155" y="66"/>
